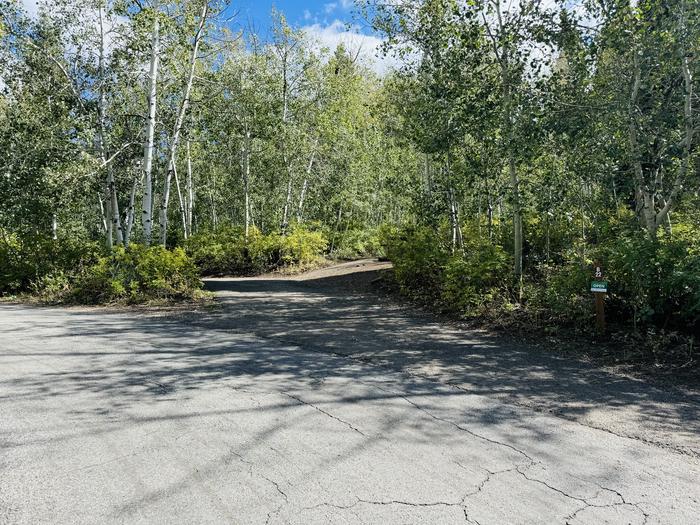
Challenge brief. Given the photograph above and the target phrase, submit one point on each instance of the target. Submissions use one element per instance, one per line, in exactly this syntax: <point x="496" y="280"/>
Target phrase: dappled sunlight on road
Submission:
<point x="296" y="402"/>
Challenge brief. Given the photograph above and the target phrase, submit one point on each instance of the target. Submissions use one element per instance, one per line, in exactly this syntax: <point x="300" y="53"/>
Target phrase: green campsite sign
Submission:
<point x="599" y="286"/>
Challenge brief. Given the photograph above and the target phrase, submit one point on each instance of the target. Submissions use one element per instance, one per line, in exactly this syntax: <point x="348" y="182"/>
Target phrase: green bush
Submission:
<point x="461" y="282"/>
<point x="301" y="246"/>
<point x="228" y="252"/>
<point x="419" y="256"/>
<point x="138" y="274"/>
<point x="655" y="281"/>
<point x="650" y="282"/>
<point x="27" y="261"/>
<point x="54" y="287"/>
<point x="475" y="277"/>
<point x="356" y="243"/>
<point x="218" y="253"/>
<point x="561" y="293"/>
<point x="262" y="251"/>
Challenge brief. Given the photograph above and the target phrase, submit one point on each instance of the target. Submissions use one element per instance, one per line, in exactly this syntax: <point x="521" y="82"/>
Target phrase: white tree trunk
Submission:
<point x="517" y="217"/>
<point x="102" y="212"/>
<point x="689" y="133"/>
<point x="284" y="55"/>
<point x="214" y="216"/>
<point x="102" y="141"/>
<point x="149" y="147"/>
<point x="245" y="171"/>
<point x="130" y="211"/>
<point x="181" y="202"/>
<point x="190" y="190"/>
<point x="500" y="51"/>
<point x="454" y="213"/>
<point x="163" y="216"/>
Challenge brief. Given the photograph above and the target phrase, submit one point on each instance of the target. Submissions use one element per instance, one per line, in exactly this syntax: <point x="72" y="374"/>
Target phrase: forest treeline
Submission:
<point x="515" y="145"/>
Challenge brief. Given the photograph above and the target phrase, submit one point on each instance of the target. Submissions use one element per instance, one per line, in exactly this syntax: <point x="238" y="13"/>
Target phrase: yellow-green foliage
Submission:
<point x="475" y="276"/>
<point x="217" y="253"/>
<point x="229" y="252"/>
<point x="460" y="282"/>
<point x="301" y="246"/>
<point x="655" y="282"/>
<point x="27" y="261"/>
<point x="419" y="256"/>
<point x="358" y="242"/>
<point x="139" y="274"/>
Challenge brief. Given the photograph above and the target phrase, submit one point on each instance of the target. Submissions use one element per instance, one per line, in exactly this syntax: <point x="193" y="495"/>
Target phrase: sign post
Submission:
<point x="599" y="287"/>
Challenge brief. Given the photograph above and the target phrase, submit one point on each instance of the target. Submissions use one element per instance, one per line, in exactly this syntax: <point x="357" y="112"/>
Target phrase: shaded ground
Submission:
<point x="334" y="310"/>
<point x="303" y="400"/>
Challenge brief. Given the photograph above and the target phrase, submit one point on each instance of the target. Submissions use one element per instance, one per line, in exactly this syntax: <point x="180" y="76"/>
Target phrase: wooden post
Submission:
<point x="600" y="313"/>
<point x="600" y="292"/>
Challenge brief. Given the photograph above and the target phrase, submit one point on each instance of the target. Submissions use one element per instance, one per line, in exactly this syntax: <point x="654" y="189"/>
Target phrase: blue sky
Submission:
<point x="298" y="12"/>
<point x="326" y="22"/>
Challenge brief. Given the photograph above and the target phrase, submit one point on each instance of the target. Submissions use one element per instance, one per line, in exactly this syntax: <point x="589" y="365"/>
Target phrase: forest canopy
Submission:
<point x="515" y="145"/>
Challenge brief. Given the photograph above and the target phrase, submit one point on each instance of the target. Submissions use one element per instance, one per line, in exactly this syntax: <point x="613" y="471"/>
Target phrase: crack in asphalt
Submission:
<point x="277" y="486"/>
<point x="251" y="466"/>
<point x="572" y="516"/>
<point x="385" y="503"/>
<point x="408" y="503"/>
<point x="373" y="361"/>
<point x="273" y="513"/>
<point x="483" y="483"/>
<point x="554" y="412"/>
<point x="301" y="401"/>
<point x="551" y="487"/>
<point x="490" y="475"/>
<point x="458" y="426"/>
<point x="531" y="462"/>
<point x="585" y="501"/>
<point x="468" y="519"/>
<point x="468" y="431"/>
<point x="622" y="503"/>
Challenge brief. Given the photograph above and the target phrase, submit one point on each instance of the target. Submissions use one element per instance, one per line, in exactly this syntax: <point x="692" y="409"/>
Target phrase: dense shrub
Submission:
<point x="54" y="287"/>
<point x="651" y="282"/>
<point x="656" y="281"/>
<point x="461" y="282"/>
<point x="301" y="246"/>
<point x="476" y="276"/>
<point x="419" y="257"/>
<point x="138" y="274"/>
<point x="219" y="252"/>
<point x="356" y="243"/>
<point x="30" y="260"/>
<point x="560" y="293"/>
<point x="228" y="252"/>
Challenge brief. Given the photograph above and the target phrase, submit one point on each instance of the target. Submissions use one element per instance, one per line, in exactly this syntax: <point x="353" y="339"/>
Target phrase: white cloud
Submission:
<point x="344" y="5"/>
<point x="307" y="14"/>
<point x="31" y="7"/>
<point x="113" y="26"/>
<point x="366" y="46"/>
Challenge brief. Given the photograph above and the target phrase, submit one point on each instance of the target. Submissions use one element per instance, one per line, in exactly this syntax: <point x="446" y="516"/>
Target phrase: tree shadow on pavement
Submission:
<point x="304" y="332"/>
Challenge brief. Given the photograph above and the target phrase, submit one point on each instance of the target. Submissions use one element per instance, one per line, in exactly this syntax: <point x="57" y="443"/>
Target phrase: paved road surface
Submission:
<point x="300" y="401"/>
